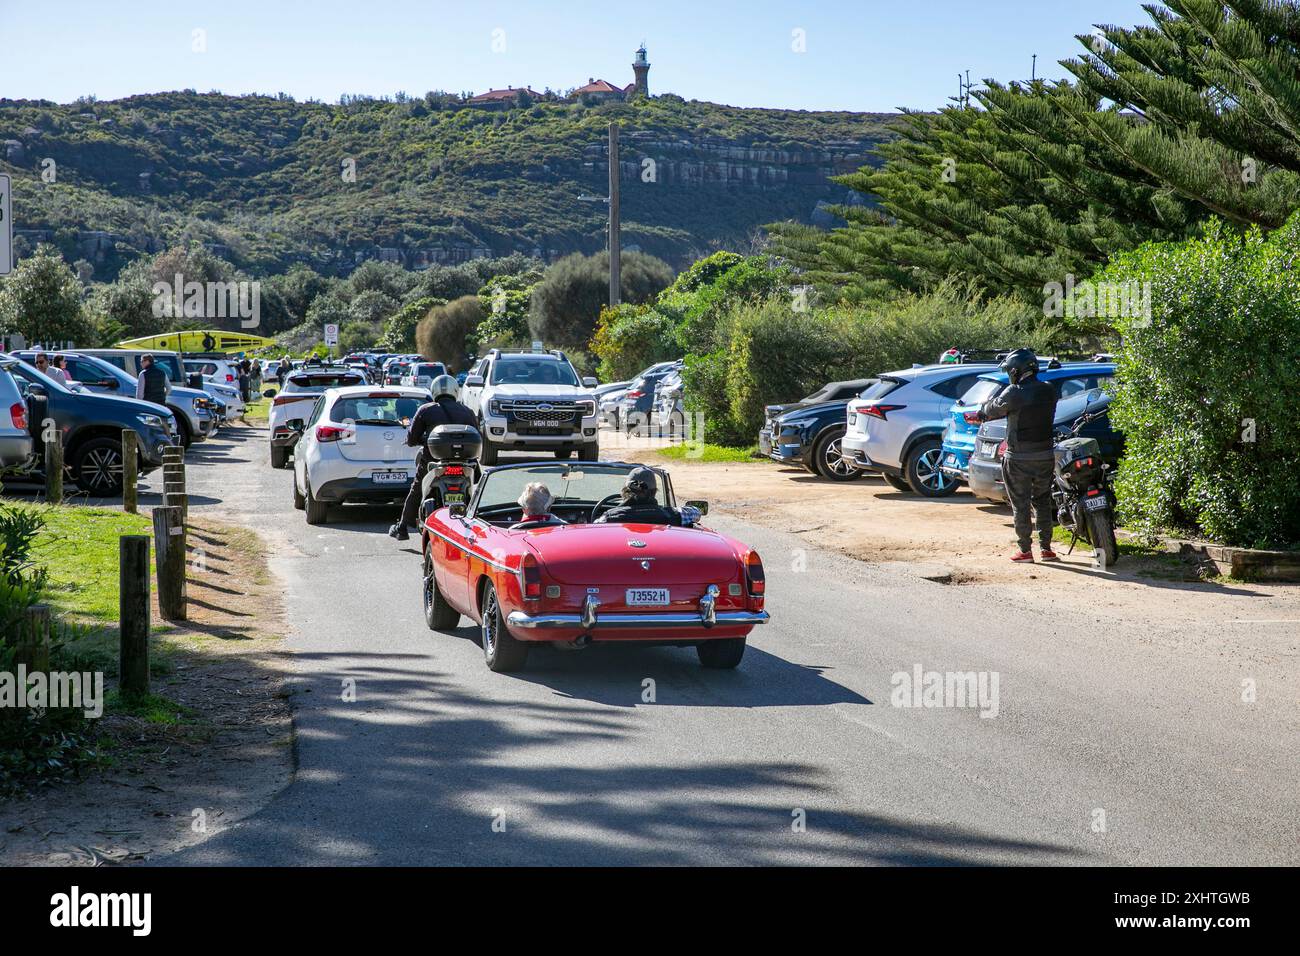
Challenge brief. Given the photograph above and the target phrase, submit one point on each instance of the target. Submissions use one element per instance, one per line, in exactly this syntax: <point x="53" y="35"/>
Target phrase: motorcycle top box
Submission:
<point x="1076" y="454"/>
<point x="454" y="443"/>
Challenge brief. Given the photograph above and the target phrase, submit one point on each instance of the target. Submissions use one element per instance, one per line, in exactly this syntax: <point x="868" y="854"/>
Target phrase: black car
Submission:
<point x="92" y="429"/>
<point x="985" y="468"/>
<point x="808" y="432"/>
<point x="637" y="403"/>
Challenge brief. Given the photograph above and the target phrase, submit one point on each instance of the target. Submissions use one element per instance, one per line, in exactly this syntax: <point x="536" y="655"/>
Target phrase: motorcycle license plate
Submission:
<point x="647" y="597"/>
<point x="390" y="477"/>
<point x="453" y="499"/>
<point x="1098" y="503"/>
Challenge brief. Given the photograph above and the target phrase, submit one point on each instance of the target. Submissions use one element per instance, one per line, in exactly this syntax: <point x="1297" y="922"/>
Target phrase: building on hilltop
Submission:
<point x="595" y="90"/>
<point x="504" y="99"/>
<point x="641" y="69"/>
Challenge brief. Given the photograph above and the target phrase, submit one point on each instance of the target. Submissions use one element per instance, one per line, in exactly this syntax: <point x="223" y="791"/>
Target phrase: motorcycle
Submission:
<point x="1082" y="493"/>
<point x="453" y="452"/>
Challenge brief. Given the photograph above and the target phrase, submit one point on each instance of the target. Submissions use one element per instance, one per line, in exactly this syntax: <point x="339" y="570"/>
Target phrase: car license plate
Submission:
<point x="1097" y="503"/>
<point x="647" y="597"/>
<point x="951" y="460"/>
<point x="548" y="423"/>
<point x="390" y="477"/>
<point x="989" y="449"/>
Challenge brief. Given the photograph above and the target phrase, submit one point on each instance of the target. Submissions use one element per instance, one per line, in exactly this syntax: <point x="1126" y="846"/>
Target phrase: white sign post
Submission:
<point x="6" y="228"/>
<point x="331" y="335"/>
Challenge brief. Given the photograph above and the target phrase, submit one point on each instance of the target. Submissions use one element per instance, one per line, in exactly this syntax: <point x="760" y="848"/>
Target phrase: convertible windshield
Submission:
<point x="522" y="370"/>
<point x="576" y="484"/>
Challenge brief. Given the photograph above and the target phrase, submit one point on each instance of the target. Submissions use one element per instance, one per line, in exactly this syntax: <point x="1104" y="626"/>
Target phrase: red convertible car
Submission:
<point x="571" y="581"/>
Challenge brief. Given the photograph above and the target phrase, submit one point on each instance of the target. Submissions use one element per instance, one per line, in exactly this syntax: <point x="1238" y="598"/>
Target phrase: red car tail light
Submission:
<point x="18" y="412"/>
<point x="530" y="578"/>
<point x="289" y="399"/>
<point x="229" y="377"/>
<point x="878" y="411"/>
<point x="754" y="576"/>
<point x="330" y="432"/>
<point x="635" y="393"/>
<point x="1002" y="448"/>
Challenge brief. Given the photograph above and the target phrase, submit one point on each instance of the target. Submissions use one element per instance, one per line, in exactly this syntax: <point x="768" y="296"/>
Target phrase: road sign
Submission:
<point x="6" y="228"/>
<point x="331" y="334"/>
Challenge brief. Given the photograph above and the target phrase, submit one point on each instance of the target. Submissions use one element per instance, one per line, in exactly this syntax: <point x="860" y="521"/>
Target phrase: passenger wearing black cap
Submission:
<point x="639" y="503"/>
<point x="1029" y="406"/>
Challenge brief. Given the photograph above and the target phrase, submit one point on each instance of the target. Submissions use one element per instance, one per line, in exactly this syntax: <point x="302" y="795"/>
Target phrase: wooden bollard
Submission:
<point x="178" y="499"/>
<point x="54" y="467"/>
<point x="130" y="470"/>
<point x="133" y="613"/>
<point x="33" y="645"/>
<point x="169" y="556"/>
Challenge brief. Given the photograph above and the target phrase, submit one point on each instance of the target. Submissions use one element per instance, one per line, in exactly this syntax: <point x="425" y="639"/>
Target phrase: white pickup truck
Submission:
<point x="532" y="401"/>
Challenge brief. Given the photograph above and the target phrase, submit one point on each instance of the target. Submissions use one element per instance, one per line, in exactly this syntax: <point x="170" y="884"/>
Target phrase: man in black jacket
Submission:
<point x="152" y="384"/>
<point x="443" y="410"/>
<point x="1029" y="406"/>
<point x="639" y="505"/>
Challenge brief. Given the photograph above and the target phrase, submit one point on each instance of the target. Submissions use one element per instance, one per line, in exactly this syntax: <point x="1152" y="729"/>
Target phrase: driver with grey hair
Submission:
<point x="535" y="500"/>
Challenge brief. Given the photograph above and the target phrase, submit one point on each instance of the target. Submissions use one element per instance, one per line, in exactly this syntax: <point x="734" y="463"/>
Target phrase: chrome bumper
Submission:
<point x="590" y="618"/>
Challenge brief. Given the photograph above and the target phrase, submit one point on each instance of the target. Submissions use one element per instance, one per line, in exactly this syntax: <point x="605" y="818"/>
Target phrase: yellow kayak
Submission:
<point x="199" y="340"/>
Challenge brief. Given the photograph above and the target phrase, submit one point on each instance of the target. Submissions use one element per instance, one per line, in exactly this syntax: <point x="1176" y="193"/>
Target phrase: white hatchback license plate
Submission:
<point x="1098" y="503"/>
<point x="390" y="477"/>
<point x="647" y="597"/>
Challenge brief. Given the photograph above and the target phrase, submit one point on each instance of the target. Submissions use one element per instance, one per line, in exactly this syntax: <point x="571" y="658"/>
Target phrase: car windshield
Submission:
<point x="523" y="370"/>
<point x="981" y="391"/>
<point x="171" y="364"/>
<point x="318" y="382"/>
<point x="375" y="409"/>
<point x="431" y="370"/>
<point x="576" y="484"/>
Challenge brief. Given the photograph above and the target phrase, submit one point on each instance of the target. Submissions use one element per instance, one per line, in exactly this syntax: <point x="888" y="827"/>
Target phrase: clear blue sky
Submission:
<point x="864" y="55"/>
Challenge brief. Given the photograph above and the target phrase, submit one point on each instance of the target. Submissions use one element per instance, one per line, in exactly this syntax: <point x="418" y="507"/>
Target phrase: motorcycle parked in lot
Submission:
<point x="453" y="452"/>
<point x="1082" y="493"/>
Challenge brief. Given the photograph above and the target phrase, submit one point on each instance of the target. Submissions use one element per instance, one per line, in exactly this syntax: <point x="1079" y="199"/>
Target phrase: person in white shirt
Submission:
<point x="49" y="370"/>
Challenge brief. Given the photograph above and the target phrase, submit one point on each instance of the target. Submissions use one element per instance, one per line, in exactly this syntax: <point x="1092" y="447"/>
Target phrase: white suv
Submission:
<point x="301" y="389"/>
<point x="532" y="401"/>
<point x="352" y="447"/>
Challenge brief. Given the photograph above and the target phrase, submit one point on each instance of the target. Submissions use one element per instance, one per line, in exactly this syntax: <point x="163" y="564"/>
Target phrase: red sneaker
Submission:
<point x="1049" y="555"/>
<point x="1023" y="556"/>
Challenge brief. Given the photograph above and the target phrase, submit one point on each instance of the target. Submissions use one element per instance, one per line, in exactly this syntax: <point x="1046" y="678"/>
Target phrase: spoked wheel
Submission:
<point x="98" y="467"/>
<point x="923" y="474"/>
<point x="438" y="614"/>
<point x="501" y="651"/>
<point x="829" y="462"/>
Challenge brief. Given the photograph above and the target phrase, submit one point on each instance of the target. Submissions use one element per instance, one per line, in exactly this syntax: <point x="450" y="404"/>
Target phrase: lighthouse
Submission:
<point x="641" y="67"/>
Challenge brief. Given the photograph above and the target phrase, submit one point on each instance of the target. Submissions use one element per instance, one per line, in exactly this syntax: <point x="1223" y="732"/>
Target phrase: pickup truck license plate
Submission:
<point x="390" y="477"/>
<point x="549" y="423"/>
<point x="1097" y="503"/>
<point x="647" y="597"/>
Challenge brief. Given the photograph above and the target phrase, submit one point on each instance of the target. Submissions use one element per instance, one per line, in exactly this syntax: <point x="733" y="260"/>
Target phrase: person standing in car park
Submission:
<point x="152" y="385"/>
<point x="282" y="370"/>
<point x="245" y="380"/>
<point x="443" y="410"/>
<point x="1029" y="406"/>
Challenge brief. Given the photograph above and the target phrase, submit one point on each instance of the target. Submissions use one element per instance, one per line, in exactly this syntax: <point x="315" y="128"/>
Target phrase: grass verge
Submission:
<point x="691" y="451"/>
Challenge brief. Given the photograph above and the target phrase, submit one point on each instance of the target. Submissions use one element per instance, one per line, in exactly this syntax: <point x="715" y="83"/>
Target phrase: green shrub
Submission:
<point x="631" y="338"/>
<point x="1207" y="387"/>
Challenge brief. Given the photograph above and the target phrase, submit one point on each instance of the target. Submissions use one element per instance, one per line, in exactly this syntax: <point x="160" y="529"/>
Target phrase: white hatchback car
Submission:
<point x="352" y="447"/>
<point x="422" y="374"/>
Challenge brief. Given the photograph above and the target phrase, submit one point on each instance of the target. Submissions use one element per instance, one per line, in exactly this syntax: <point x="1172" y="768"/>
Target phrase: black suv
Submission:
<point x="92" y="429"/>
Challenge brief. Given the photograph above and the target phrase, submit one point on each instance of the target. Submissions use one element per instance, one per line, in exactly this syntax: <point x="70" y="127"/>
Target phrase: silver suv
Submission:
<point x="15" y="435"/>
<point x="896" y="426"/>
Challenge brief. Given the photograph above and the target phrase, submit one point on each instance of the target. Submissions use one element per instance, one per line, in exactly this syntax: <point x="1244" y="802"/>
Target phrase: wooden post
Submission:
<point x="169" y="556"/>
<point x="133" y="613"/>
<point x="130" y="470"/>
<point x="178" y="499"/>
<point x="33" y="645"/>
<point x="615" y="241"/>
<point x="54" y="466"/>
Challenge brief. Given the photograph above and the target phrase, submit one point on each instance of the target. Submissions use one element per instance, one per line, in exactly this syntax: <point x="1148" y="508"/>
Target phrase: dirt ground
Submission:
<point x="170" y="784"/>
<point x="961" y="540"/>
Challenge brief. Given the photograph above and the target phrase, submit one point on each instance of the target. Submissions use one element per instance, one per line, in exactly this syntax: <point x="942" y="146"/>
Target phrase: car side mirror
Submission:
<point x="457" y="509"/>
<point x="35" y="389"/>
<point x="699" y="505"/>
<point x="473" y="381"/>
<point x="268" y="393"/>
<point x="589" y="382"/>
<point x="295" y="424"/>
<point x="110" y="383"/>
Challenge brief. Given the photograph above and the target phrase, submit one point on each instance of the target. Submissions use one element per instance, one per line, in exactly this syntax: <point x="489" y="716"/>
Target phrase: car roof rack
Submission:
<point x="556" y="353"/>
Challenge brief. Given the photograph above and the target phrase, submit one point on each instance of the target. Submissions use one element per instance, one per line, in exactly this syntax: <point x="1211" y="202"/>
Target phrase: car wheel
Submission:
<point x="317" y="511"/>
<point x="922" y="470"/>
<point x="589" y="453"/>
<point x="501" y="651"/>
<point x="827" y="460"/>
<point x="721" y="654"/>
<point x="184" y="430"/>
<point x="438" y="614"/>
<point x="488" y="453"/>
<point x="895" y="482"/>
<point x="299" y="501"/>
<point x="279" y="456"/>
<point x="97" y="467"/>
<point x="563" y="452"/>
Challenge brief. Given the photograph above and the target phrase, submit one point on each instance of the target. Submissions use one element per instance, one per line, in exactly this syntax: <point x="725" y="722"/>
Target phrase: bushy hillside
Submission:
<point x="267" y="181"/>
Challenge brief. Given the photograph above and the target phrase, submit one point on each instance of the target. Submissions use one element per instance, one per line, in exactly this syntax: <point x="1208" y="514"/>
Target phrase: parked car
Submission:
<point x="16" y="442"/>
<point x="959" y="437"/>
<point x="194" y="410"/>
<point x="394" y="369"/>
<point x="985" y="468"/>
<point x="92" y="426"/>
<point x="636" y="403"/>
<point x="301" y="390"/>
<point x="896" y="426"/>
<point x="422" y="374"/>
<point x="228" y="395"/>
<point x="830" y="392"/>
<point x="352" y="447"/>
<point x="810" y="433"/>
<point x="569" y="581"/>
<point x="609" y="402"/>
<point x="668" y="414"/>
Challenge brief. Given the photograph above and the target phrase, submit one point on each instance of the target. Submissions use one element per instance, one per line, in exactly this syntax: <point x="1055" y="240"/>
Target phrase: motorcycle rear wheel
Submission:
<point x="1101" y="535"/>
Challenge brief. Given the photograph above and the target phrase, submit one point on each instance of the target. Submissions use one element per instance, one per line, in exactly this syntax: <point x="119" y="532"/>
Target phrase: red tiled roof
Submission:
<point x="506" y="94"/>
<point x="598" y="86"/>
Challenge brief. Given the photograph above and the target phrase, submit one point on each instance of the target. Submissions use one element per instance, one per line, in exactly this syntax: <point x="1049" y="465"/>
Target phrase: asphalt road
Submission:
<point x="1110" y="744"/>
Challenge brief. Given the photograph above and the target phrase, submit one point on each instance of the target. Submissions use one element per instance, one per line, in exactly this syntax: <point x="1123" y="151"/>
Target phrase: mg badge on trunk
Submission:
<point x="636" y="543"/>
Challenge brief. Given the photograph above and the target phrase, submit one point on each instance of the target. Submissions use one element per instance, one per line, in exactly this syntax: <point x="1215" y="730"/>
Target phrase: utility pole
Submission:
<point x="1033" y="69"/>
<point x="615" y="245"/>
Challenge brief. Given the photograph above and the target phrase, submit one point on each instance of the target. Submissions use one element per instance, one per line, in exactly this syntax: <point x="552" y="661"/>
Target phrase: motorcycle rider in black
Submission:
<point x="1029" y="406"/>
<point x="443" y="410"/>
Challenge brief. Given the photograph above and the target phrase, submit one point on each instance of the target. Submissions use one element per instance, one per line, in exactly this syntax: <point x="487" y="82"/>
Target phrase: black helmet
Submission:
<point x="1020" y="363"/>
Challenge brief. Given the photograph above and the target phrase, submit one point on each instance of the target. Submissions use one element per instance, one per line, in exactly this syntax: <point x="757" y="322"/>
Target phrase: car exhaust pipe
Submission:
<point x="580" y="642"/>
